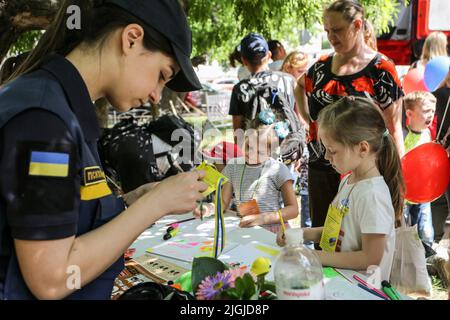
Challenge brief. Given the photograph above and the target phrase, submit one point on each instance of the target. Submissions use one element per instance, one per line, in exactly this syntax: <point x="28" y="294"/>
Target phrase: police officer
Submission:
<point x="59" y="221"/>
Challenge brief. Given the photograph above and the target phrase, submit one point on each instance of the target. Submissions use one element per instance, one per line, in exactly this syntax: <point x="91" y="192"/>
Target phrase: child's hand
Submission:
<point x="207" y="210"/>
<point x="281" y="241"/>
<point x="197" y="213"/>
<point x="251" y="221"/>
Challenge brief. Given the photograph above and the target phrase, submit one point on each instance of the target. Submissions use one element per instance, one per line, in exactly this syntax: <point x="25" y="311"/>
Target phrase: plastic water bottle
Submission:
<point x="298" y="271"/>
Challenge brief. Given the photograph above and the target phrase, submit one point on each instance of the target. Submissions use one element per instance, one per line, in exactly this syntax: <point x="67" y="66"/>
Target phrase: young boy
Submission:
<point x="420" y="107"/>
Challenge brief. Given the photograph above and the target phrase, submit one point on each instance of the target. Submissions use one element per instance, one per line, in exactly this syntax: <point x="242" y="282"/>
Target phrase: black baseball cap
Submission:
<point x="168" y="18"/>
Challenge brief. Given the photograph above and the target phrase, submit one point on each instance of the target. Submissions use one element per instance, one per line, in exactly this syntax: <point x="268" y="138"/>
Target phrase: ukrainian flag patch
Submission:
<point x="49" y="164"/>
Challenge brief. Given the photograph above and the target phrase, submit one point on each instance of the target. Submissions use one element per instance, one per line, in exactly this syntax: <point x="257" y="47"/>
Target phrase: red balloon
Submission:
<point x="413" y="81"/>
<point x="426" y="170"/>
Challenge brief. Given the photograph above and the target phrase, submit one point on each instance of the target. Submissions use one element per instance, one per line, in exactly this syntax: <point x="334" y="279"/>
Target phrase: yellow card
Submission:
<point x="211" y="177"/>
<point x="332" y="227"/>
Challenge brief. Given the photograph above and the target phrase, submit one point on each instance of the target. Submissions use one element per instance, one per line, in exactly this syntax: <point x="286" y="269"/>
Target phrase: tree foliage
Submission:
<point x="218" y="25"/>
<point x="26" y="41"/>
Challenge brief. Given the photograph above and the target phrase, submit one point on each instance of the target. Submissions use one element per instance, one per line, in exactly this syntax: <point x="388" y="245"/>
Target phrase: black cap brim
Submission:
<point x="186" y="79"/>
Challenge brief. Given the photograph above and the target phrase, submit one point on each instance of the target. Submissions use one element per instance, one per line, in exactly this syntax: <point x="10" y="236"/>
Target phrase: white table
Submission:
<point x="154" y="235"/>
<point x="335" y="288"/>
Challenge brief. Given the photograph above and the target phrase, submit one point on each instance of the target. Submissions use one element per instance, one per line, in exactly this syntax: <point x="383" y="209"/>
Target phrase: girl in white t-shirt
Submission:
<point x="359" y="229"/>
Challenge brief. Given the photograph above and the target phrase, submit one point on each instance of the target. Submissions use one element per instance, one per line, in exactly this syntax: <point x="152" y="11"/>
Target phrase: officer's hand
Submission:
<point x="281" y="241"/>
<point x="180" y="193"/>
<point x="132" y="196"/>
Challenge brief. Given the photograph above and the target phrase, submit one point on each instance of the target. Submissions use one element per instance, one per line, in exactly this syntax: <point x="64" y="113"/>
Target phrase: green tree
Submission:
<point x="217" y="25"/>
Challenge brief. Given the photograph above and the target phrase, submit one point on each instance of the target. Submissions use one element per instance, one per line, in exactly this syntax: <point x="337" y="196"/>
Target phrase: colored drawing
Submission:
<point x="186" y="249"/>
<point x="206" y="248"/>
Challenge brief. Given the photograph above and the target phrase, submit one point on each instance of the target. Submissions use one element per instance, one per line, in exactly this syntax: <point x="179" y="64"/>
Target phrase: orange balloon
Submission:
<point x="426" y="170"/>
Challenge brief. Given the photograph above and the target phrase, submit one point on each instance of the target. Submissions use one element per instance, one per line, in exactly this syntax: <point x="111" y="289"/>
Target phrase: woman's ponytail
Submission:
<point x="389" y="165"/>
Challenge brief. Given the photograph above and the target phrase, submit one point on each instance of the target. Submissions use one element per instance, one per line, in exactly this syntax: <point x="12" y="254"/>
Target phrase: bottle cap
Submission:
<point x="294" y="236"/>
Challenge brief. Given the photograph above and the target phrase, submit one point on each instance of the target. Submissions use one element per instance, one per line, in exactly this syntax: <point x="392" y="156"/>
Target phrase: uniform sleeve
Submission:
<point x="387" y="85"/>
<point x="375" y="212"/>
<point x="40" y="185"/>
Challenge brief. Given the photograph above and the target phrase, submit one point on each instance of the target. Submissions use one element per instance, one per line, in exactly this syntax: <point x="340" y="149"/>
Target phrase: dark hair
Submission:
<point x="11" y="64"/>
<point x="350" y="9"/>
<point x="274" y="46"/>
<point x="257" y="59"/>
<point x="351" y="120"/>
<point x="98" y="21"/>
<point x="235" y="56"/>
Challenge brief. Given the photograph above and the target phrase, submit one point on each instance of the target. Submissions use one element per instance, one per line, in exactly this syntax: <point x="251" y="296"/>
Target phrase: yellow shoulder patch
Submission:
<point x="94" y="185"/>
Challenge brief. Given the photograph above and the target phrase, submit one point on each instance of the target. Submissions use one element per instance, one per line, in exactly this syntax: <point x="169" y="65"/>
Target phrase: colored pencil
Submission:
<point x="371" y="291"/>
<point x="370" y="287"/>
<point x="181" y="221"/>
<point x="343" y="275"/>
<point x="283" y="227"/>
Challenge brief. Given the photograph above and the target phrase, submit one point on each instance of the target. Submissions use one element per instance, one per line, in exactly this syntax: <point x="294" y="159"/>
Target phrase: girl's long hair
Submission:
<point x="435" y="45"/>
<point x="352" y="120"/>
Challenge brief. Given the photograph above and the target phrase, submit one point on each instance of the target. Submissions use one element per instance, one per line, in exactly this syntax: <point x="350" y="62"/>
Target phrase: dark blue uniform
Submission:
<point x="52" y="184"/>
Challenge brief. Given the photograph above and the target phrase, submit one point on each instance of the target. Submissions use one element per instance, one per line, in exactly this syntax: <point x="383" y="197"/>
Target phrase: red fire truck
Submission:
<point x="403" y="43"/>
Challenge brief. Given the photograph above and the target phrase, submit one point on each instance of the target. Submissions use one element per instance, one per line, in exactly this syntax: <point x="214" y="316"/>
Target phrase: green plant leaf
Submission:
<point x="249" y="287"/>
<point x="268" y="286"/>
<point x="230" y="294"/>
<point x="240" y="287"/>
<point x="203" y="267"/>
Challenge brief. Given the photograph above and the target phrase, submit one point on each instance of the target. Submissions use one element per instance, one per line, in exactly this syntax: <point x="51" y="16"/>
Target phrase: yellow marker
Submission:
<point x="211" y="177"/>
<point x="281" y="221"/>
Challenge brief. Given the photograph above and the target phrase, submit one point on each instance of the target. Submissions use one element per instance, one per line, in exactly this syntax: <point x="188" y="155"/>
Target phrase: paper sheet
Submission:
<point x="244" y="255"/>
<point x="338" y="288"/>
<point x="188" y="248"/>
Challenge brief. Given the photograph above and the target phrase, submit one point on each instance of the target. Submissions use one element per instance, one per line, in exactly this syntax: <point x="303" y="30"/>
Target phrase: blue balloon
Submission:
<point x="435" y="71"/>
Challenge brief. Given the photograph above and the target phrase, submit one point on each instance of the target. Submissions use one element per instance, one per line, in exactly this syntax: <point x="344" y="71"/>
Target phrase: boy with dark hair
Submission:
<point x="278" y="54"/>
<point x="255" y="56"/>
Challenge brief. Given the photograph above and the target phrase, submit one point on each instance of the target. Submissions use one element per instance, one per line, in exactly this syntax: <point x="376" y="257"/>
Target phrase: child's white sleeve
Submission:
<point x="375" y="212"/>
<point x="282" y="175"/>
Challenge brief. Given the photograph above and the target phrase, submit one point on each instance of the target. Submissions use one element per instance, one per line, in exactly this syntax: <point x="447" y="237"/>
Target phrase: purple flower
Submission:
<point x="211" y="286"/>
